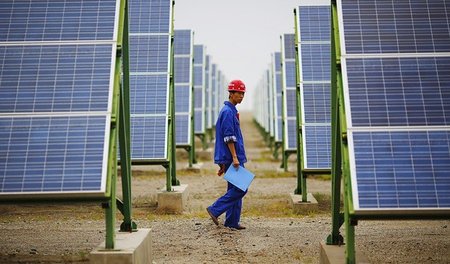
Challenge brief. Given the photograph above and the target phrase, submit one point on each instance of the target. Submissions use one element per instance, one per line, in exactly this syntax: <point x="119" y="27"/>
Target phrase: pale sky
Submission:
<point x="240" y="35"/>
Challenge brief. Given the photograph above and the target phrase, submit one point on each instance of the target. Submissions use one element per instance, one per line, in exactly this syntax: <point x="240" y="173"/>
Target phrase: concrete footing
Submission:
<point x="174" y="201"/>
<point x="195" y="167"/>
<point x="130" y="248"/>
<point x="304" y="207"/>
<point x="331" y="254"/>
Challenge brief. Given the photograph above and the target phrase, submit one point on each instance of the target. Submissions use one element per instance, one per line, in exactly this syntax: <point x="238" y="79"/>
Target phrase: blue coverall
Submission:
<point x="228" y="129"/>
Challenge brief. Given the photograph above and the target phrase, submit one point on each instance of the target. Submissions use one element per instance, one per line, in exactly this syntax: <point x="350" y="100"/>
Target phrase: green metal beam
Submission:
<point x="335" y="237"/>
<point x="125" y="131"/>
<point x="172" y="169"/>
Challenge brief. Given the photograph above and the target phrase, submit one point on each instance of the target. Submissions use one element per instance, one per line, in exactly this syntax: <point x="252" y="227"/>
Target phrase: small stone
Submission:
<point x="445" y="226"/>
<point x="197" y="223"/>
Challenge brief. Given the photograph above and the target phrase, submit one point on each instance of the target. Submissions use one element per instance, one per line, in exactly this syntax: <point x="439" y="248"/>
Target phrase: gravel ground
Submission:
<point x="66" y="233"/>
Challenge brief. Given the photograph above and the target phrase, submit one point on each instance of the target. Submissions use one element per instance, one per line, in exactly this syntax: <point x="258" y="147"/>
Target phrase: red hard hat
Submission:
<point x="236" y="86"/>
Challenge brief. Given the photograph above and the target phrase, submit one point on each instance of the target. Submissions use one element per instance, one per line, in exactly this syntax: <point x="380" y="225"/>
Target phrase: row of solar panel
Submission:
<point x="57" y="61"/>
<point x="314" y="83"/>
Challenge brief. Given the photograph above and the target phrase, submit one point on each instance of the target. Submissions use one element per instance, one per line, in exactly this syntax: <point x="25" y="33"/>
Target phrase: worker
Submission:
<point x="229" y="151"/>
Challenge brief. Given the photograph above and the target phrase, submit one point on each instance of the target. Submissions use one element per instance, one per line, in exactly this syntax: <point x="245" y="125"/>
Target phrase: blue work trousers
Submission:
<point x="231" y="203"/>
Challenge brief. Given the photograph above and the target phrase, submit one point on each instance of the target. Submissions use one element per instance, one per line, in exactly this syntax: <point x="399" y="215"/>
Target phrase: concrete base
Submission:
<point x="331" y="254"/>
<point x="195" y="167"/>
<point x="174" y="201"/>
<point x="130" y="248"/>
<point x="304" y="207"/>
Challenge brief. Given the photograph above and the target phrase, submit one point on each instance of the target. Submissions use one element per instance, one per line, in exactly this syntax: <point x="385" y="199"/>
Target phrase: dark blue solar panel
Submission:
<point x="199" y="89"/>
<point x="399" y="91"/>
<point x="198" y="76"/>
<point x="182" y="71"/>
<point x="317" y="103"/>
<point x="316" y="62"/>
<point x="402" y="169"/>
<point x="405" y="26"/>
<point x="52" y="154"/>
<point x="63" y="20"/>
<point x="318" y="146"/>
<point x="315" y="75"/>
<point x="182" y="99"/>
<point x="149" y="16"/>
<point x="148" y="137"/>
<point x="183" y="58"/>
<point x="291" y="103"/>
<point x="292" y="131"/>
<point x="55" y="78"/>
<point x="182" y="129"/>
<point x="290" y="80"/>
<point x="289" y="46"/>
<point x="199" y="54"/>
<point x="147" y="95"/>
<point x="182" y="43"/>
<point x="199" y="122"/>
<point x="150" y="29"/>
<point x="278" y="87"/>
<point x="149" y="53"/>
<point x="314" y="23"/>
<point x="208" y="95"/>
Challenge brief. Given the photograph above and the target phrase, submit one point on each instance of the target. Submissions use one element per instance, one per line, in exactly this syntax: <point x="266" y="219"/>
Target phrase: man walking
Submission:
<point x="229" y="151"/>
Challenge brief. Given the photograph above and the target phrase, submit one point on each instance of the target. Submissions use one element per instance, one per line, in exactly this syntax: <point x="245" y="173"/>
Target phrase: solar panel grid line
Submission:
<point x="399" y="141"/>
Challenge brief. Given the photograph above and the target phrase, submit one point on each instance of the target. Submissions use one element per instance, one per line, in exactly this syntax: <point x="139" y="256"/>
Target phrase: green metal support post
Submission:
<point x="337" y="220"/>
<point x="172" y="175"/>
<point x="192" y="158"/>
<point x="301" y="177"/>
<point x="124" y="130"/>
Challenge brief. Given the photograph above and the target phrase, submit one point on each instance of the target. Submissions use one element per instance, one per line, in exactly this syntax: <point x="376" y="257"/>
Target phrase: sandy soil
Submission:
<point x="66" y="233"/>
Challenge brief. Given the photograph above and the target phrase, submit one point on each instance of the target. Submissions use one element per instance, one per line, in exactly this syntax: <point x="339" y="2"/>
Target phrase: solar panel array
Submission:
<point x="199" y="89"/>
<point x="396" y="75"/>
<point x="289" y="88"/>
<point x="183" y="57"/>
<point x="150" y="29"/>
<point x="56" y="76"/>
<point x="315" y="86"/>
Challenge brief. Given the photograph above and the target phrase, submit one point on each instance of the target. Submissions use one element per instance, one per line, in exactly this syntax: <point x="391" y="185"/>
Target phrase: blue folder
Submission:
<point x="240" y="178"/>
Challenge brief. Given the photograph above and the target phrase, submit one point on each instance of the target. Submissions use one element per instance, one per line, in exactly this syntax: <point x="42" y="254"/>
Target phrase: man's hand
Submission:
<point x="221" y="170"/>
<point x="235" y="162"/>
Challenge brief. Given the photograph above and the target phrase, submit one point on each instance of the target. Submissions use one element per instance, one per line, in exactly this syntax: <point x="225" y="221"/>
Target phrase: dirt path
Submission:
<point x="65" y="233"/>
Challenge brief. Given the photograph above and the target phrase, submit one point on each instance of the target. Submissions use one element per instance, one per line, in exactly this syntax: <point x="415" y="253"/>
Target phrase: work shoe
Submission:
<point x="212" y="217"/>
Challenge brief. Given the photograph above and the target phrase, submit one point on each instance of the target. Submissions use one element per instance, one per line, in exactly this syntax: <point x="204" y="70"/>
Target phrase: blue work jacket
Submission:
<point x="228" y="129"/>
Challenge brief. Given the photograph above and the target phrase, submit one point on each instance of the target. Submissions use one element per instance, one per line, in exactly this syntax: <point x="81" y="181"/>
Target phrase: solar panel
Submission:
<point x="208" y="95"/>
<point x="199" y="89"/>
<point x="289" y="87"/>
<point x="214" y="93"/>
<point x="396" y="87"/>
<point x="277" y="86"/>
<point x="56" y="67"/>
<point x="150" y="29"/>
<point x="315" y="82"/>
<point x="183" y="56"/>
